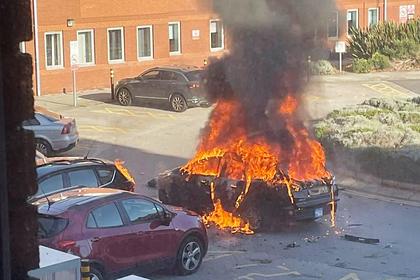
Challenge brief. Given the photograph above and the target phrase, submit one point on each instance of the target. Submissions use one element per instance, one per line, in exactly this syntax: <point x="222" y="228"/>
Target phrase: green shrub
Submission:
<point x="380" y="61"/>
<point x="362" y="65"/>
<point x="406" y="49"/>
<point x="322" y="67"/>
<point x="391" y="39"/>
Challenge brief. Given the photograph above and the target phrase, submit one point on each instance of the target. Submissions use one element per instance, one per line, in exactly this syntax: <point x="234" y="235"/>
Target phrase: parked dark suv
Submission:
<point x="63" y="173"/>
<point x="181" y="87"/>
<point x="122" y="233"/>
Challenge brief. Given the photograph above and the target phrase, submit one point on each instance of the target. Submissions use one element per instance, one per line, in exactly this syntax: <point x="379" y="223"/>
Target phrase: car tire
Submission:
<point x="190" y="256"/>
<point x="124" y="97"/>
<point x="43" y="146"/>
<point x="178" y="103"/>
<point x="96" y="273"/>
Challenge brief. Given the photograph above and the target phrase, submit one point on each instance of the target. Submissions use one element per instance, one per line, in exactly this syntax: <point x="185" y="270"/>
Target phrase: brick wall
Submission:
<point x="103" y="14"/>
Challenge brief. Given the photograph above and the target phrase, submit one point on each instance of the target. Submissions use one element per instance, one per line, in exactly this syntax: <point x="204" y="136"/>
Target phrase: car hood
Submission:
<point x="125" y="81"/>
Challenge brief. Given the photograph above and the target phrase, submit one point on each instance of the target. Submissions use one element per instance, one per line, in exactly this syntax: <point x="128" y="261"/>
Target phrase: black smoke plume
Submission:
<point x="269" y="42"/>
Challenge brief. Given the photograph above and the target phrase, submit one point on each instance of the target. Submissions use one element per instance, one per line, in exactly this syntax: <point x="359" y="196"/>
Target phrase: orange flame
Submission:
<point x="227" y="149"/>
<point x="119" y="164"/>
<point x="224" y="219"/>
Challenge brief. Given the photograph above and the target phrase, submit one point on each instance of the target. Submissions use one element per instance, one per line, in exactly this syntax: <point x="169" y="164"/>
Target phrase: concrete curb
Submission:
<point x="368" y="184"/>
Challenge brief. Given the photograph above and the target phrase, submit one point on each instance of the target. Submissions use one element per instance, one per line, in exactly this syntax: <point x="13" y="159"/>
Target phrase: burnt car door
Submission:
<point x="153" y="233"/>
<point x="109" y="238"/>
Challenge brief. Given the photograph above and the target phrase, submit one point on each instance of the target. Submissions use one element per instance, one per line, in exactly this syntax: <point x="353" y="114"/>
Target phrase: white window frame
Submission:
<point x="92" y="32"/>
<point x="377" y="15"/>
<point x="347" y="21"/>
<point x="151" y="43"/>
<point x="223" y="36"/>
<point x="337" y="26"/>
<point x="61" y="65"/>
<point x="179" y="41"/>
<point x="116" y="61"/>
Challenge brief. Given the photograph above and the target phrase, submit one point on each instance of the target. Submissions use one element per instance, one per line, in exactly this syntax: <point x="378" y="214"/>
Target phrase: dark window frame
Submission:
<point x="124" y="224"/>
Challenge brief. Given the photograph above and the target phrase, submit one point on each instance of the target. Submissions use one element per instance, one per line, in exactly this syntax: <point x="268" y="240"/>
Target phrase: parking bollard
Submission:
<point x="111" y="72"/>
<point x="85" y="269"/>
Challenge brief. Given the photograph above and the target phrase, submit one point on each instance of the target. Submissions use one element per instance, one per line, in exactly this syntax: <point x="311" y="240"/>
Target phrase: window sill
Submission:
<point x="142" y="59"/>
<point x="83" y="65"/>
<point x="175" y="53"/>
<point x="116" y="61"/>
<point x="217" y="49"/>
<point x="54" y="67"/>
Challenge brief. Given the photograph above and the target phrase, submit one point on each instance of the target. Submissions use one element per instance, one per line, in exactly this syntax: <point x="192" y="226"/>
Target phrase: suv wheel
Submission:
<point x="178" y="103"/>
<point x="124" y="97"/>
<point x="43" y="146"/>
<point x="190" y="256"/>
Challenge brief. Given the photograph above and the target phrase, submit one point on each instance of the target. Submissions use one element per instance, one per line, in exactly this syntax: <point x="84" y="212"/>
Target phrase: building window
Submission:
<point x="174" y="38"/>
<point x="216" y="35"/>
<point x="145" y="42"/>
<point x="115" y="45"/>
<point x="54" y="50"/>
<point x="352" y="20"/>
<point x="333" y="25"/>
<point x="373" y="16"/>
<point x="85" y="39"/>
<point x="22" y="47"/>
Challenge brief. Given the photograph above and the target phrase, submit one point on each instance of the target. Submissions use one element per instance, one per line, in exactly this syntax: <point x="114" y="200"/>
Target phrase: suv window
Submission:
<point x="105" y="175"/>
<point x="194" y="75"/>
<point x="83" y="177"/>
<point x="50" y="184"/>
<point x="152" y="75"/>
<point x="139" y="210"/>
<point x="172" y="76"/>
<point x="49" y="226"/>
<point x="104" y="216"/>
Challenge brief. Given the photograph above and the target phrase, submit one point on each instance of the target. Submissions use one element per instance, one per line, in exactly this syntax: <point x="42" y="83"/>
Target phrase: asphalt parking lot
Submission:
<point x="151" y="140"/>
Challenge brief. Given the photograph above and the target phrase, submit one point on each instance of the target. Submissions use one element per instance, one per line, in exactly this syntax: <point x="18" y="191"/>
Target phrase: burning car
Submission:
<point x="247" y="182"/>
<point x="265" y="205"/>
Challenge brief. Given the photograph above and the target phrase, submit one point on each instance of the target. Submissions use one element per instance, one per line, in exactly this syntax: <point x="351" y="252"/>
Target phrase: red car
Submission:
<point x="122" y="233"/>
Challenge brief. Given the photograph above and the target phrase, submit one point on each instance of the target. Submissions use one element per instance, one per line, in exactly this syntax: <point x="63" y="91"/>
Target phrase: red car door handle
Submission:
<point x="95" y="239"/>
<point x="140" y="233"/>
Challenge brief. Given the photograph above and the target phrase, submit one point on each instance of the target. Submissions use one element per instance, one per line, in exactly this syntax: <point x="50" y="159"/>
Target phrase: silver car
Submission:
<point x="53" y="133"/>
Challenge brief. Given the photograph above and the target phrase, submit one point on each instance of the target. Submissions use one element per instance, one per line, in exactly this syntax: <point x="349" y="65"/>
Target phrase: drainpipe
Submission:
<point x="36" y="60"/>
<point x="385" y="10"/>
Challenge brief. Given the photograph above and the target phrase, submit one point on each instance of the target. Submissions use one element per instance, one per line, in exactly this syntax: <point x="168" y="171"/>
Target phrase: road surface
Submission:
<point x="151" y="140"/>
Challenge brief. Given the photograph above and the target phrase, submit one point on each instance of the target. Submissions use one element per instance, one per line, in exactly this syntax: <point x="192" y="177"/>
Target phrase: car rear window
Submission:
<point x="49" y="226"/>
<point x="105" y="175"/>
<point x="42" y="118"/>
<point x="194" y="75"/>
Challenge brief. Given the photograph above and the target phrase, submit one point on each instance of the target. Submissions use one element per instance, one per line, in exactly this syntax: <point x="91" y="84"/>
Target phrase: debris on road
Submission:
<point x="361" y="239"/>
<point x="292" y="245"/>
<point x="312" y="239"/>
<point x="354" y="225"/>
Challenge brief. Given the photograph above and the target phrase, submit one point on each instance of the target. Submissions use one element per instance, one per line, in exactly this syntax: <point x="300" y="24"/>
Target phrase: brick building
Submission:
<point x="132" y="35"/>
<point x="128" y="36"/>
<point x="364" y="13"/>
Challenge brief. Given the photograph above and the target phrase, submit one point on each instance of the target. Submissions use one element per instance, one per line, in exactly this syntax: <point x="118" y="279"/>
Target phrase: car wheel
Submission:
<point x="178" y="103"/>
<point x="43" y="146"/>
<point x="124" y="97"/>
<point x="190" y="256"/>
<point x="96" y="274"/>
